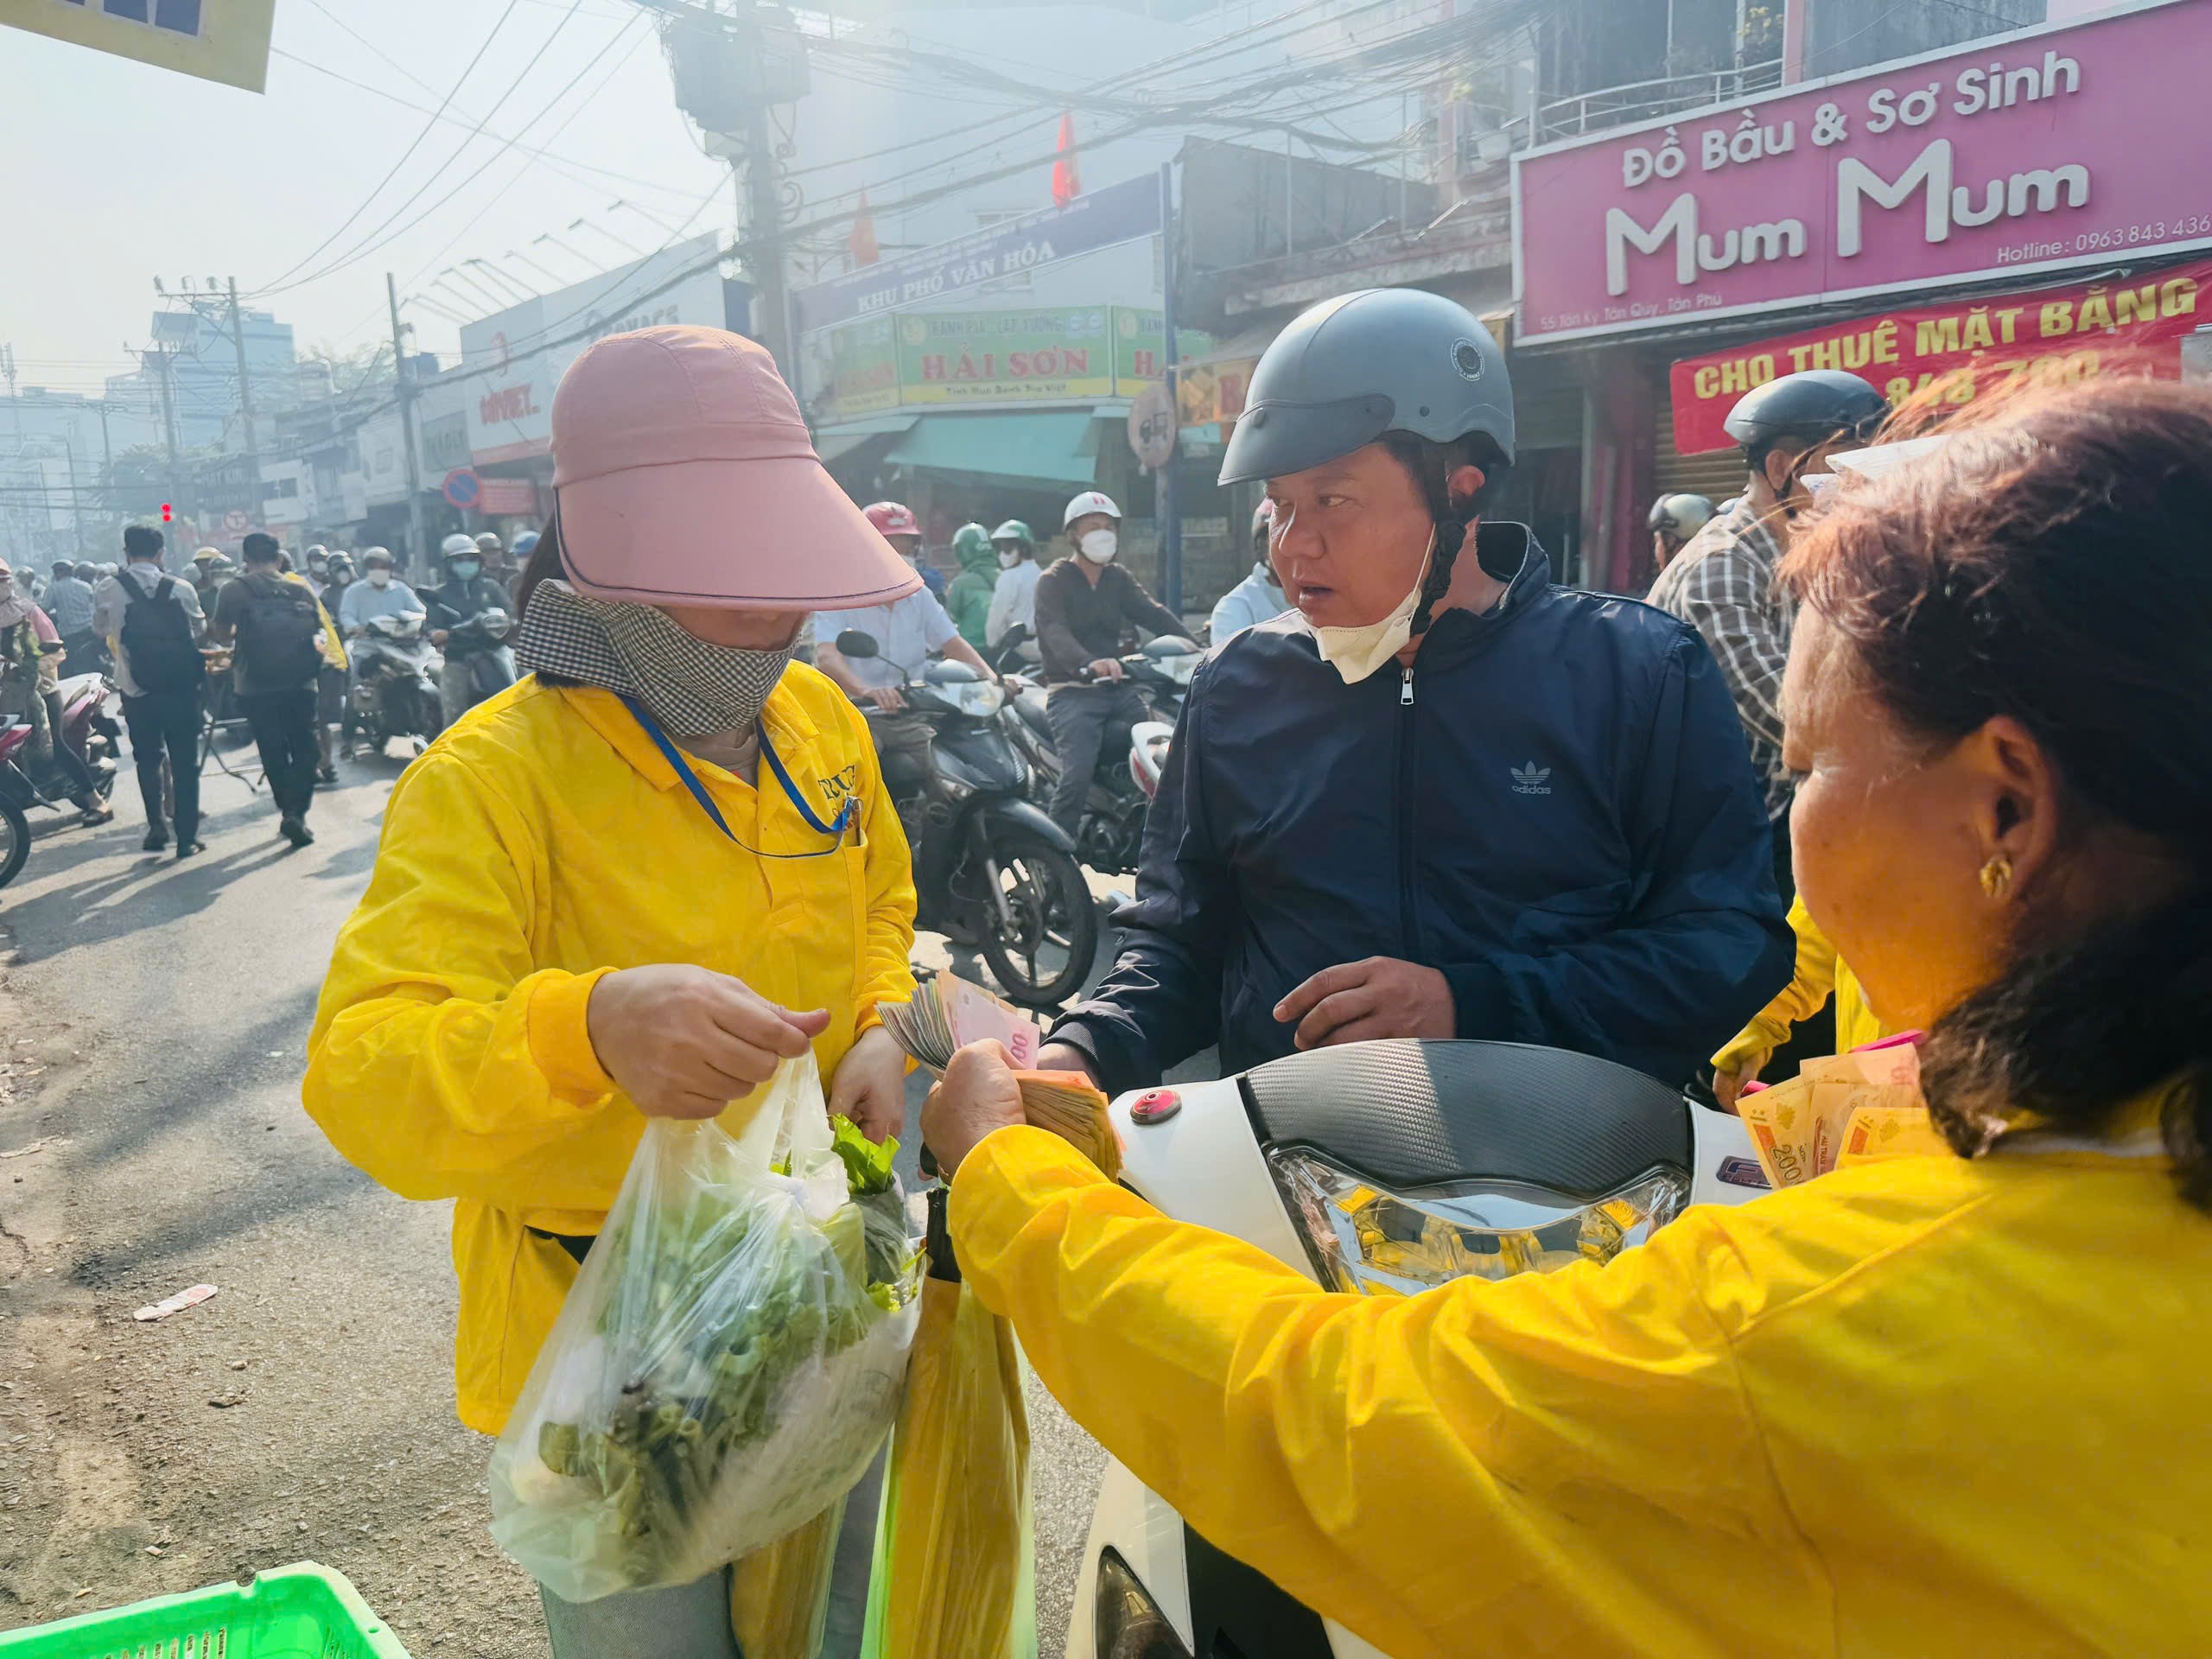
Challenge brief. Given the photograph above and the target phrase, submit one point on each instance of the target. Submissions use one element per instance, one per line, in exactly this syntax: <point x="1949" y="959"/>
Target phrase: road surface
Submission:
<point x="151" y="1138"/>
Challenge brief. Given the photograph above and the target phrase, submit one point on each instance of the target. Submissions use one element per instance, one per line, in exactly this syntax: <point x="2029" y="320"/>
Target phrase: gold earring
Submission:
<point x="1996" y="876"/>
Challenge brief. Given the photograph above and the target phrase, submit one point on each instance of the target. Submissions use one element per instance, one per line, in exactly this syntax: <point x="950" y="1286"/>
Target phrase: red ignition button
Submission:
<point x="1155" y="1106"/>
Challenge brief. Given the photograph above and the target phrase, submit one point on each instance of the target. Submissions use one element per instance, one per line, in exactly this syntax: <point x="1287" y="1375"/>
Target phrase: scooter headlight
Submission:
<point x="978" y="699"/>
<point x="1363" y="1238"/>
<point x="1125" y="1622"/>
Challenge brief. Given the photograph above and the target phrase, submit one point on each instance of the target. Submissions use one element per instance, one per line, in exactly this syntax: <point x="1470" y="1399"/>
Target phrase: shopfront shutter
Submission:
<point x="1717" y="474"/>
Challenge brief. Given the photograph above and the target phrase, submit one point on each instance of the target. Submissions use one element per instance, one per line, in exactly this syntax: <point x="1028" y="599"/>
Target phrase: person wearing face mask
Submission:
<point x="1014" y="597"/>
<point x="1085" y="605"/>
<point x="635" y="882"/>
<point x="1723" y="583"/>
<point x="1444" y="795"/>
<point x="968" y="600"/>
<point x="31" y="653"/>
<point x="1258" y="598"/>
<point x="475" y="667"/>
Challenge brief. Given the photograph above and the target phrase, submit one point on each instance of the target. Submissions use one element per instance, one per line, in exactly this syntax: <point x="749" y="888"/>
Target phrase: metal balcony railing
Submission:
<point x="1644" y="100"/>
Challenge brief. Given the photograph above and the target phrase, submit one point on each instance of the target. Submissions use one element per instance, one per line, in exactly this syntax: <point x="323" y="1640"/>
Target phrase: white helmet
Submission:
<point x="458" y="545"/>
<point x="1090" y="501"/>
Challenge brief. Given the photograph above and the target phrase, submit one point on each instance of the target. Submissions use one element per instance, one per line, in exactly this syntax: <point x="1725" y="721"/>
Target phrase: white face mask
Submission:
<point x="379" y="578"/>
<point x="1099" y="545"/>
<point x="1008" y="557"/>
<point x="1357" y="653"/>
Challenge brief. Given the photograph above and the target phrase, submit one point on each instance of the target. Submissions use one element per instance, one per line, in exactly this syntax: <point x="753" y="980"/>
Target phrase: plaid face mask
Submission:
<point x="692" y="687"/>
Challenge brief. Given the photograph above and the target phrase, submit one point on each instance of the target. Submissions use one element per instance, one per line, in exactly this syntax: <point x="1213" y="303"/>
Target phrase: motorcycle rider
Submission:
<point x="333" y="708"/>
<point x="895" y="522"/>
<point x="1946" y="1402"/>
<point x="1723" y="584"/>
<point x="494" y="552"/>
<point x="1449" y="797"/>
<point x="968" y="600"/>
<point x="211" y="569"/>
<point x="1673" y="520"/>
<point x="905" y="631"/>
<point x="379" y="593"/>
<point x="1258" y="598"/>
<point x="68" y="602"/>
<point x="30" y="650"/>
<point x="475" y="667"/>
<point x="1014" y="599"/>
<point x="1084" y="603"/>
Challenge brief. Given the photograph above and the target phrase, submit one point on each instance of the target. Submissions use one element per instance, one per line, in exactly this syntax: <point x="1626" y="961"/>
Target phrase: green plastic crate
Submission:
<point x="302" y="1611"/>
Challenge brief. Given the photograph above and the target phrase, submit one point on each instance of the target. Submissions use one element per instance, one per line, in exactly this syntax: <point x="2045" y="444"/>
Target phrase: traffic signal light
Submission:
<point x="166" y="514"/>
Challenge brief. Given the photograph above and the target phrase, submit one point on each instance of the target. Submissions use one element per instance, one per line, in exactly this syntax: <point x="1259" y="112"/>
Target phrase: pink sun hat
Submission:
<point x="684" y="476"/>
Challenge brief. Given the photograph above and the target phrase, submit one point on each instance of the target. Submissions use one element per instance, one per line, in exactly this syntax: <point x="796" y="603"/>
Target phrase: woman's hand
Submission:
<point x="685" y="1042"/>
<point x="870" y="1086"/>
<point x="980" y="1093"/>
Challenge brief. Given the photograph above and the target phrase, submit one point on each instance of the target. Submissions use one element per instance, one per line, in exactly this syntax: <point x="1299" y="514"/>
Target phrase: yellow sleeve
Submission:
<point x="1521" y="1458"/>
<point x="886" y="969"/>
<point x="1801" y="999"/>
<point x="441" y="1063"/>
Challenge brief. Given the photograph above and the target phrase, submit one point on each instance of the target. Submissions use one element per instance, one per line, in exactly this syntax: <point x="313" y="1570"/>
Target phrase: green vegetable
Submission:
<point x="710" y="1312"/>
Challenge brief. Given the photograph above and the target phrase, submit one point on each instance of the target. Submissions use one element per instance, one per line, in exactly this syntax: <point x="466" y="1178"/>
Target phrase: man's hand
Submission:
<point x="1379" y="997"/>
<point x="979" y="1094"/>
<point x="870" y="1084"/>
<point x="1728" y="1086"/>
<point x="1105" y="668"/>
<point x="886" y="697"/>
<point x="685" y="1042"/>
<point x="439" y="636"/>
<point x="1065" y="1057"/>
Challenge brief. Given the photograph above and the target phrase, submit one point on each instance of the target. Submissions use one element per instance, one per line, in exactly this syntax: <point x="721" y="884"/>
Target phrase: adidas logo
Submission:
<point x="1531" y="780"/>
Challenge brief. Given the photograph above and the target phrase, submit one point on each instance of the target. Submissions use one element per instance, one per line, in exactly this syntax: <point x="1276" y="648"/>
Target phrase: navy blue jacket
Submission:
<point x="1555" y="809"/>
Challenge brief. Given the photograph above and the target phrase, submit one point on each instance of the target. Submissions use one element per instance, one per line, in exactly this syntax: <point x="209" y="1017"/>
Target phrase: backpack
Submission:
<point x="277" y="635"/>
<point x="157" y="643"/>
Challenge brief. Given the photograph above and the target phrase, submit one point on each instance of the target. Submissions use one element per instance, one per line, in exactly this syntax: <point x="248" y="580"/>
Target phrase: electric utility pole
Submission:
<point x="252" y="502"/>
<point x="405" y="387"/>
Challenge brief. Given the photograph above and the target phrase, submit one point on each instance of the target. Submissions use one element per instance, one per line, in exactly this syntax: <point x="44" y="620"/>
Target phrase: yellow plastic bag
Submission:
<point x="780" y="1596"/>
<point x="955" y="1558"/>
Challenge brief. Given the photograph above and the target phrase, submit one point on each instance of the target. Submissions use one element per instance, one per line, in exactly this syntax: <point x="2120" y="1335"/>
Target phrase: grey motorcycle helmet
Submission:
<point x="1350" y="369"/>
<point x="1365" y="365"/>
<point x="1809" y="407"/>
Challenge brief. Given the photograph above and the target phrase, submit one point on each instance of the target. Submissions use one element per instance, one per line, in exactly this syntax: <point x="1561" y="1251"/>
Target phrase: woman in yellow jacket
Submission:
<point x="636" y="881"/>
<point x="1819" y="972"/>
<point x="1931" y="1405"/>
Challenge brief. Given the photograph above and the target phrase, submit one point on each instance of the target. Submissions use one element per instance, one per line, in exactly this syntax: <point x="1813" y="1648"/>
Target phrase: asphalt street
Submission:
<point x="151" y="1138"/>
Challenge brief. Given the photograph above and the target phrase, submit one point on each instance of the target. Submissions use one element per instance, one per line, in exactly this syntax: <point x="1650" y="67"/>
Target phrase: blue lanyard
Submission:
<point x="674" y="756"/>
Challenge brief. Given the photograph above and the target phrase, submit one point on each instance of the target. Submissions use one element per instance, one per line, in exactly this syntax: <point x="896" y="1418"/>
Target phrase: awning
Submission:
<point x="1055" y="447"/>
<point x="832" y="441"/>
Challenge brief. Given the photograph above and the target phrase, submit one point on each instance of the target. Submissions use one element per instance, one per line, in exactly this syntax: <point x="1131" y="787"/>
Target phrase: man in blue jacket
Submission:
<point x="1444" y="795"/>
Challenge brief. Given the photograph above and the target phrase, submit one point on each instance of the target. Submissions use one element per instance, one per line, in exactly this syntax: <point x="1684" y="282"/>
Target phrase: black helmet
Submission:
<point x="1812" y="407"/>
<point x="1680" y="516"/>
<point x="1347" y="369"/>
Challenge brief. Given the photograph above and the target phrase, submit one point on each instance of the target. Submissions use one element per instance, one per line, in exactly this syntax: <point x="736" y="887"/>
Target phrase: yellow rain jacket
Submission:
<point x="1917" y="1406"/>
<point x="1820" y="970"/>
<point x="542" y="842"/>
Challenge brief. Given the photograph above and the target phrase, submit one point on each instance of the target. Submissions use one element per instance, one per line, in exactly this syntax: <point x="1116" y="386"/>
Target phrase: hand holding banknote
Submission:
<point x="981" y="1092"/>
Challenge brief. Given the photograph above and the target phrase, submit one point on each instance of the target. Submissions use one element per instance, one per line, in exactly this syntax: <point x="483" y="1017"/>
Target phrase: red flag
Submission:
<point x="861" y="244"/>
<point x="1066" y="186"/>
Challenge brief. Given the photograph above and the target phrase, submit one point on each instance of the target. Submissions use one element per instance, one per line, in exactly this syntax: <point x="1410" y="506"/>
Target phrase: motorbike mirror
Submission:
<point x="1016" y="635"/>
<point x="851" y="642"/>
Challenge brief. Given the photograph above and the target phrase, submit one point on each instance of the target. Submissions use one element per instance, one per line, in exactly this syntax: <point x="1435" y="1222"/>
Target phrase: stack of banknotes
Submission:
<point x="948" y="1012"/>
<point x="1866" y="1103"/>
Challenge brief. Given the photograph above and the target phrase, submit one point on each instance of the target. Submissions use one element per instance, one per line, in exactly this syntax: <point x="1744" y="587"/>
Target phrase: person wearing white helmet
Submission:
<point x="1674" y="520"/>
<point x="476" y="667"/>
<point x="1085" y="605"/>
<point x="1258" y="598"/>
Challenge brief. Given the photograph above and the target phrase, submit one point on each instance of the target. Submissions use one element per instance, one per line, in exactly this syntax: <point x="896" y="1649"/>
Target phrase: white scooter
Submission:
<point x="1400" y="1165"/>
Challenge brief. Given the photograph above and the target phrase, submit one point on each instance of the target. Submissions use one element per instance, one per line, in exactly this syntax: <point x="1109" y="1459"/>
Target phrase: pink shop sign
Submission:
<point x="2052" y="147"/>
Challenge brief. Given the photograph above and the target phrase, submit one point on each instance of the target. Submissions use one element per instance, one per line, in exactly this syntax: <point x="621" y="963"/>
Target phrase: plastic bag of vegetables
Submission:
<point x="729" y="1360"/>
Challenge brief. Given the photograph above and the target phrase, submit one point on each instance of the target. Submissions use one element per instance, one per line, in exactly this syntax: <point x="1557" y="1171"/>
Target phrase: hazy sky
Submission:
<point x="119" y="172"/>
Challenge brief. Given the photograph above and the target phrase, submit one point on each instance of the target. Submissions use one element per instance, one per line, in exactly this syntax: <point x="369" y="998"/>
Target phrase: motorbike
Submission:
<point x="472" y="648"/>
<point x="1111" y="834"/>
<point x="15" y="827"/>
<point x="90" y="731"/>
<point x="990" y="867"/>
<point x="1382" y="1168"/>
<point x="395" y="689"/>
<point x="1150" y="741"/>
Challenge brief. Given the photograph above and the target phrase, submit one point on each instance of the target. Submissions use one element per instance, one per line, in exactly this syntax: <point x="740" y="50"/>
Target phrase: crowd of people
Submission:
<point x="1447" y="797"/>
<point x="265" y="644"/>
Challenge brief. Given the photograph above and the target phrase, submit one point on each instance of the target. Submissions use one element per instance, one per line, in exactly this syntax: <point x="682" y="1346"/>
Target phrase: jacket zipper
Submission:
<point x="1407" y="947"/>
